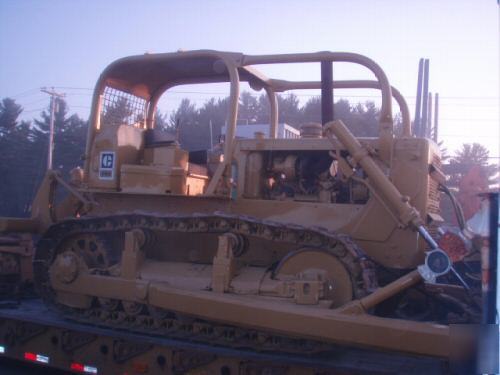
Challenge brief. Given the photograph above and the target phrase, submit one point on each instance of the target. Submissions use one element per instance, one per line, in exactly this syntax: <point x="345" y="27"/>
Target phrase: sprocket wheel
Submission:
<point x="91" y="248"/>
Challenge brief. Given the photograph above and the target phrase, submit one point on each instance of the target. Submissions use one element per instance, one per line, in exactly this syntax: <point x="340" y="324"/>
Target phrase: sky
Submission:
<point x="66" y="44"/>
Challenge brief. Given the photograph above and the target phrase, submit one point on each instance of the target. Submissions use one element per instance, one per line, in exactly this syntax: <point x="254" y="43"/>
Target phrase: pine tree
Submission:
<point x="471" y="155"/>
<point x="9" y="114"/>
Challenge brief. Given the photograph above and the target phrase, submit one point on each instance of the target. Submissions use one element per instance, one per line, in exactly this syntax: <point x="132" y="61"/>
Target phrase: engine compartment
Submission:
<point x="306" y="176"/>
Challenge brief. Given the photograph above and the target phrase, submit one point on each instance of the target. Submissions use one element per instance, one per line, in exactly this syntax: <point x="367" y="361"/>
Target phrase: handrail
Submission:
<point x="282" y="85"/>
<point x="386" y="109"/>
<point x="234" y="93"/>
<point x="273" y="101"/>
<point x="386" y="126"/>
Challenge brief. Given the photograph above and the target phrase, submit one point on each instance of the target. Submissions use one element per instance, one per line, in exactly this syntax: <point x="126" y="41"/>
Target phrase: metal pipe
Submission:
<point x="436" y="117"/>
<point x="234" y="94"/>
<point x="94" y="124"/>
<point x="155" y="97"/>
<point x="428" y="128"/>
<point x="282" y="85"/>
<point x="273" y="106"/>
<point x="231" y="126"/>
<point x="390" y="290"/>
<point x="427" y="237"/>
<point x="418" y="103"/>
<point x="326" y="92"/>
<point x="425" y="100"/>
<point x="150" y="114"/>
<point x="386" y="108"/>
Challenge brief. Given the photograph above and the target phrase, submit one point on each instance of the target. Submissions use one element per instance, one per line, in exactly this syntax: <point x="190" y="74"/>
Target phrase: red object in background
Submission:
<point x="30" y="356"/>
<point x="473" y="183"/>
<point x="453" y="245"/>
<point x="77" y="367"/>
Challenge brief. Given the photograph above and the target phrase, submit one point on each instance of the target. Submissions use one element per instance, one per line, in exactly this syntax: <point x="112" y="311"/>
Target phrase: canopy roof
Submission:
<point x="144" y="75"/>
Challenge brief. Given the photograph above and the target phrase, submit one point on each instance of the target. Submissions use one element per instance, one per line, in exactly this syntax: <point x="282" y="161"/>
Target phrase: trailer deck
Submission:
<point x="30" y="332"/>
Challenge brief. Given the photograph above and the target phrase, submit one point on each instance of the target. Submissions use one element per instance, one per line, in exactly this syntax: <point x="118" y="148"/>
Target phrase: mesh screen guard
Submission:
<point x="121" y="108"/>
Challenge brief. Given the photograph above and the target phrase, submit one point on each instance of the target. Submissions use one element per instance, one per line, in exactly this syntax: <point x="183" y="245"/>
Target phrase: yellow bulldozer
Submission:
<point x="266" y="243"/>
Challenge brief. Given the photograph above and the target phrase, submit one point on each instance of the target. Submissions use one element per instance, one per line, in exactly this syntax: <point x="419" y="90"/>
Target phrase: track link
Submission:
<point x="360" y="269"/>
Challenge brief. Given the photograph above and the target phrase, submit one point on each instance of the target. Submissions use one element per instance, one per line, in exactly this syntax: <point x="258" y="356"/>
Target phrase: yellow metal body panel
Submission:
<point x="267" y="234"/>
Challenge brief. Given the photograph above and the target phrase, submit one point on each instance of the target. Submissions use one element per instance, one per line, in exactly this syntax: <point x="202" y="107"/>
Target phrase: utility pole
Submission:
<point x="53" y="96"/>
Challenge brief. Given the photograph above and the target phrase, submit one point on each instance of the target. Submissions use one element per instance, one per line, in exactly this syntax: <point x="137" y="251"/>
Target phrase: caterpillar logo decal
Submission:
<point x="107" y="165"/>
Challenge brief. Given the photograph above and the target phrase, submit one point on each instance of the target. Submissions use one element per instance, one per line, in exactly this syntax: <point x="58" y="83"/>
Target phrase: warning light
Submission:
<point x="2" y="349"/>
<point x="77" y="367"/>
<point x="30" y="356"/>
<point x="36" y="357"/>
<point x="80" y="367"/>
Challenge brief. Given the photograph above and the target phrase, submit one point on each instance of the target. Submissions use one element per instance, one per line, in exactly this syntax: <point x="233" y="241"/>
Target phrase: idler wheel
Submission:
<point x="338" y="286"/>
<point x="66" y="267"/>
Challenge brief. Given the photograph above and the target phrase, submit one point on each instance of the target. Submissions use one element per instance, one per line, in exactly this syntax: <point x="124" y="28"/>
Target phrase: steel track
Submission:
<point x="341" y="246"/>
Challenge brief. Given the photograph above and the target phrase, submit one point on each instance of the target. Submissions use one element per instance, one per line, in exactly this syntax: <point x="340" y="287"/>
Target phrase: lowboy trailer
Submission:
<point x="30" y="332"/>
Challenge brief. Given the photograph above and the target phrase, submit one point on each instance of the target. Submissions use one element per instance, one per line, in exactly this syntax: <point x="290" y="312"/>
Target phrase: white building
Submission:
<point x="248" y="131"/>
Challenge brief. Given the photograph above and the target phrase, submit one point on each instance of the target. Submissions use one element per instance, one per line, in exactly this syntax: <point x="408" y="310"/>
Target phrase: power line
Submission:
<point x="313" y="95"/>
<point x="79" y="94"/>
<point x="471" y="119"/>
<point x="24" y="93"/>
<point x="471" y="105"/>
<point x="256" y="94"/>
<point x="34" y="102"/>
<point x="468" y="136"/>
<point x="34" y="110"/>
<point x="73" y="88"/>
<point x="353" y="96"/>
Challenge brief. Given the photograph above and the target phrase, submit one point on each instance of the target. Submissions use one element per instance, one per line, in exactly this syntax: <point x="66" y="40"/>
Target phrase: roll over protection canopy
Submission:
<point x="144" y="75"/>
